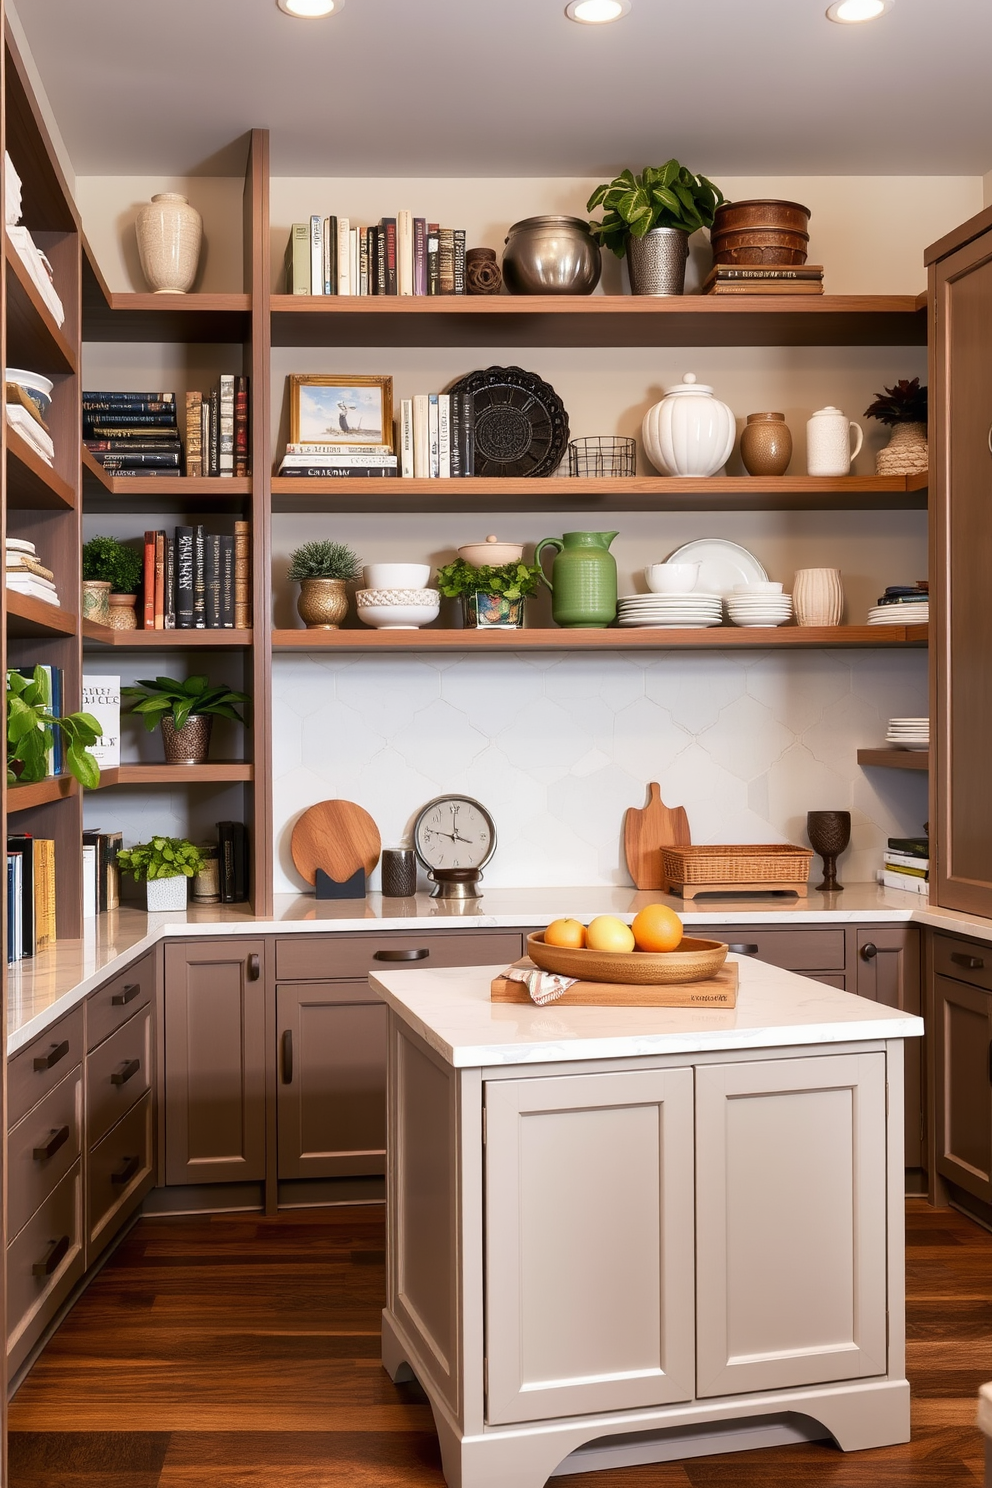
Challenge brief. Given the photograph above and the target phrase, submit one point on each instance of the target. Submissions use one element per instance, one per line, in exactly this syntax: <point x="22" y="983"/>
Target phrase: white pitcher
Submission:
<point x="828" y="442"/>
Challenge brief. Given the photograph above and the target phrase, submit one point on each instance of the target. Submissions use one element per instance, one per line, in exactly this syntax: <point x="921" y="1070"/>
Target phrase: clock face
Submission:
<point x="454" y="832"/>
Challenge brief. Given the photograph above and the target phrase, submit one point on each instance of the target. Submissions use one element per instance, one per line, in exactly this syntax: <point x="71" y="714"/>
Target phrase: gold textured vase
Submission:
<point x="190" y="744"/>
<point x="323" y="603"/>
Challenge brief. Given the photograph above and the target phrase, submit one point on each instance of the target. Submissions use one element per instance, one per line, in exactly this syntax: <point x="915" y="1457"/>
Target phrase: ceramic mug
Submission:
<point x="817" y="596"/>
<point x="828" y="442"/>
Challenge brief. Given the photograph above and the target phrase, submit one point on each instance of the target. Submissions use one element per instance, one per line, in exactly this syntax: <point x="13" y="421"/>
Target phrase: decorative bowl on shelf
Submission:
<point x="396" y="575"/>
<point x="397" y="609"/>
<point x="691" y="961"/>
<point x="492" y="553"/>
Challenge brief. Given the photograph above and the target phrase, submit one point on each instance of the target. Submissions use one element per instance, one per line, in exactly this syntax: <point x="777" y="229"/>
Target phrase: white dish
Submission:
<point x="693" y="624"/>
<point x="397" y="617"/>
<point x="721" y="565"/>
<point x="397" y="575"/>
<point x="671" y="578"/>
<point x="758" y="589"/>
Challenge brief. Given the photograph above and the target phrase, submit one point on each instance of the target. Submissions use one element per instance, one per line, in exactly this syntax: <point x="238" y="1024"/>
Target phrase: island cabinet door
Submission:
<point x="790" y="1222"/>
<point x="589" y="1246"/>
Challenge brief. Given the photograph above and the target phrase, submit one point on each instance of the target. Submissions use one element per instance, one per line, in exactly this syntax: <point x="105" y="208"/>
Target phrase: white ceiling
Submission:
<point x="512" y="88"/>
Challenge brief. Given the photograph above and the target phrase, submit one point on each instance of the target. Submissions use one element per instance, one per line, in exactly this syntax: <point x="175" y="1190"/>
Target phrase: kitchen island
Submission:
<point x="629" y="1235"/>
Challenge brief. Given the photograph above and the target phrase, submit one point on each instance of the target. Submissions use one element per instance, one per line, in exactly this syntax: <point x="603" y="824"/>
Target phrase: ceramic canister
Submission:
<point x="828" y="442"/>
<point x="818" y="596"/>
<point x="766" y="444"/>
<point x="689" y="432"/>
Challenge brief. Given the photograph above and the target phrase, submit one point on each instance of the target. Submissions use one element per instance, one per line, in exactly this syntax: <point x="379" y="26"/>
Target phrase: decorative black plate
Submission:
<point x="521" y="427"/>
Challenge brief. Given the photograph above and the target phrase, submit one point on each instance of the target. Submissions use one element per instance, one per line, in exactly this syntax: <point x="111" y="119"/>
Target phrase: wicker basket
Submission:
<point x="775" y="865"/>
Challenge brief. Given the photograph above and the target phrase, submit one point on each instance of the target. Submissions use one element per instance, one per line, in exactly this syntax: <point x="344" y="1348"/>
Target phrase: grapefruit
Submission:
<point x="566" y="933"/>
<point x="657" y="928"/>
<point x="607" y="933"/>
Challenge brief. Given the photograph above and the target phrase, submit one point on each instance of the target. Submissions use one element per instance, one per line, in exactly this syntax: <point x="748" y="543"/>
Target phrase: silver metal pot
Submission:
<point x="657" y="261"/>
<point x="551" y="255"/>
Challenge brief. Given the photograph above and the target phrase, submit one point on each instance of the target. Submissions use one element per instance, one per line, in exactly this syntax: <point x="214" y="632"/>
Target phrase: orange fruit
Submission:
<point x="607" y="933"/>
<point x="566" y="933"/>
<point x="657" y="928"/>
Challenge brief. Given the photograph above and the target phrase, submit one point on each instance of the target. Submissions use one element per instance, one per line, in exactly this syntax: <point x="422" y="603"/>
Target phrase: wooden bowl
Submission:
<point x="780" y="215"/>
<point x="691" y="961"/>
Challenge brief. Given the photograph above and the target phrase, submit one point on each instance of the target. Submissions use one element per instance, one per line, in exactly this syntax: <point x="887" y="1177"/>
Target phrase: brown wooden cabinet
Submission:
<point x="886" y="968"/>
<point x="962" y="1042"/>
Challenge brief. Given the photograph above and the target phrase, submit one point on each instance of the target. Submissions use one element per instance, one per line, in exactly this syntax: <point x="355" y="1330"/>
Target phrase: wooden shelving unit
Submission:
<point x="208" y="490"/>
<point x="895" y="759"/>
<point x="31" y="484"/>
<point x="41" y="793"/>
<point x="719" y="638"/>
<point x="29" y="617"/>
<point x="216" y="772"/>
<point x="95" y="636"/>
<point x="34" y="339"/>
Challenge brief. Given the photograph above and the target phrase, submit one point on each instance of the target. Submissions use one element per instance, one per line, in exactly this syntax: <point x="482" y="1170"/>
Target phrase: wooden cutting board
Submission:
<point x="337" y="836"/>
<point x="646" y="830"/>
<point x="719" y="991"/>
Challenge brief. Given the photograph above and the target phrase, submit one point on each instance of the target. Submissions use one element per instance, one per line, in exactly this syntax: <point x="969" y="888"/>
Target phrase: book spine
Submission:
<point x="241" y="466"/>
<point x="123" y="407"/>
<point x="458" y="263"/>
<point x="328" y="277"/>
<point x="298" y="259"/>
<point x="240" y="838"/>
<point x="148" y="434"/>
<point x="225" y="855"/>
<point x="114" y="842"/>
<point x="12" y="948"/>
<point x="446" y="261"/>
<point x="148" y="588"/>
<point x="242" y="576"/>
<point x="329" y="450"/>
<point x="215" y="431"/>
<point x="406" y="437"/>
<point x="199" y="581"/>
<point x="419" y="256"/>
<point x="170" y="583"/>
<point x="733" y="271"/>
<point x="205" y="435"/>
<point x="753" y="288"/>
<point x="432" y="258"/>
<point x="444" y="436"/>
<point x="20" y="842"/>
<point x="316" y="256"/>
<point x="133" y="420"/>
<point x="56" y="691"/>
<point x="344" y="255"/>
<point x="421" y="437"/>
<point x="404" y="252"/>
<point x="116" y="396"/>
<point x="98" y="447"/>
<point x="112" y="461"/>
<point x="320" y="471"/>
<point x="433" y="457"/>
<point x="355" y="458"/>
<point x="353" y="261"/>
<point x="227" y="582"/>
<point x="226" y="452"/>
<point x="102" y="698"/>
<point x="455" y="435"/>
<point x="184" y="578"/>
<point x="194" y="434"/>
<point x="45" y="891"/>
<point x="212" y="581"/>
<point x="389" y="228"/>
<point x="160" y="581"/>
<point x="467" y="436"/>
<point x="380" y="260"/>
<point x="363" y="261"/>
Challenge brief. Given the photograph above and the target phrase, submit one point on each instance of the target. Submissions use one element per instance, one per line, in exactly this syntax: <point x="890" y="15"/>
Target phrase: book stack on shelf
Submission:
<point x="25" y="406"/>
<point x="401" y="255"/>
<point x="30" y="895"/>
<point x="437" y="435"/>
<point x="133" y="433"/>
<point x="27" y="250"/>
<point x="232" y="852"/>
<point x="198" y="580"/>
<point x="25" y="574"/>
<point x="737" y="279"/>
<point x="906" y="864"/>
<point x="55" y="685"/>
<point x="101" y="876"/>
<point x="338" y="460"/>
<point x="217" y="429"/>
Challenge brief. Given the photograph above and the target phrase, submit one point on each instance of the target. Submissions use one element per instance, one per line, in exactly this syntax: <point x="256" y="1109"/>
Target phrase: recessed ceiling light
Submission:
<point x="310" y="10"/>
<point x="851" y="12"/>
<point x="597" y="12"/>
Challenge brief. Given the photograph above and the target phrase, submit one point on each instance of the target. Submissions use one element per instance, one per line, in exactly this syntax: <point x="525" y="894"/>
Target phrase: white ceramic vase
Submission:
<point x="169" y="233"/>
<point x="828" y="442"/>
<point x="166" y="893"/>
<point x="689" y="432"/>
<point x="818" y="596"/>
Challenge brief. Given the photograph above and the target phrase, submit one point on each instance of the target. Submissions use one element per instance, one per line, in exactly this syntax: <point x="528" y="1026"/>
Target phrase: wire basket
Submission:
<point x="602" y="454"/>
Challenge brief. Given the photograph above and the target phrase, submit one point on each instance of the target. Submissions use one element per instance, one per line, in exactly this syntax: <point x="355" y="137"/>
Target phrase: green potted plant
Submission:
<point x="650" y="217"/>
<point x="111" y="573"/>
<point x="323" y="568"/>
<point x="31" y="729"/>
<point x="165" y="865"/>
<point x="492" y="596"/>
<point x="186" y="712"/>
<point x="904" y="408"/>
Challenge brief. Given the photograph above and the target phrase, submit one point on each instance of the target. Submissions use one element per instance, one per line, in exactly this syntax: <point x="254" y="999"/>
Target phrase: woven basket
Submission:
<point x="906" y="452"/>
<point x="776" y="862"/>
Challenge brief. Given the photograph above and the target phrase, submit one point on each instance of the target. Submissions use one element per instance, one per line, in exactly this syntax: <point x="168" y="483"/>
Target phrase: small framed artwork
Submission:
<point x="325" y="409"/>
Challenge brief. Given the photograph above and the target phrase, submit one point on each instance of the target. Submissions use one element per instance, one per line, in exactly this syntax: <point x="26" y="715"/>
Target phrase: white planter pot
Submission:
<point x="689" y="432"/>
<point x="166" y="893"/>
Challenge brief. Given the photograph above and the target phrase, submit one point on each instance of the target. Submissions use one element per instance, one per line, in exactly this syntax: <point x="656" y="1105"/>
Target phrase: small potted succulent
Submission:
<point x="111" y="572"/>
<point x="492" y="596"/>
<point x="650" y="217"/>
<point x="165" y="865"/>
<point x="186" y="712"/>
<point x="323" y="570"/>
<point x="31" y="732"/>
<point x="904" y="408"/>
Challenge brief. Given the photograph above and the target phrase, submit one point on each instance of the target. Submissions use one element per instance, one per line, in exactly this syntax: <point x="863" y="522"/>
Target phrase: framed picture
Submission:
<point x="325" y="409"/>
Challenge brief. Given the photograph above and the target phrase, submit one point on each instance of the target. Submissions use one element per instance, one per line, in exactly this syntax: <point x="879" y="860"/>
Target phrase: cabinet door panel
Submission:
<point x="589" y="1282"/>
<point x="118" y="1074"/>
<point x="34" y="1071"/>
<point x="963" y="1038"/>
<point x="119" y="999"/>
<point x="118" y="1173"/>
<point x="790" y="1206"/>
<point x="888" y="971"/>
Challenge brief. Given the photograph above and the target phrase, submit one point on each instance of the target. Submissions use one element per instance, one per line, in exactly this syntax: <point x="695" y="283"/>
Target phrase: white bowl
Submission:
<point x="387" y="597"/>
<point x="671" y="578"/>
<point x="397" y="609"/>
<point x="397" y="575"/>
<point x="491" y="553"/>
<point x="765" y="587"/>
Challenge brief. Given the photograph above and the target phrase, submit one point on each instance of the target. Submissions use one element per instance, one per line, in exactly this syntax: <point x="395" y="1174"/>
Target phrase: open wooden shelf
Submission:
<point x="191" y="488"/>
<point x="52" y="788"/>
<point x="27" y="617"/>
<point x="202" y="318"/>
<point x="727" y="637"/>
<point x="896" y="759"/>
<point x="221" y="772"/>
<point x="32" y="484"/>
<point x="34" y="340"/>
<point x="158" y="640"/>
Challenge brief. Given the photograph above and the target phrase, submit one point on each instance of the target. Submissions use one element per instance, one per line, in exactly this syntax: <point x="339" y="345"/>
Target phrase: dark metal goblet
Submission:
<point x="829" y="832"/>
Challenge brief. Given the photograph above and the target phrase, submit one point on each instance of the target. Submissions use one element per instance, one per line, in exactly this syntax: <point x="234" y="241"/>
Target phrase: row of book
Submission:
<point x="198" y="580"/>
<point x="101" y="875"/>
<point x="906" y="864"/>
<point x="25" y="574"/>
<point x="30" y="895"/>
<point x="55" y="685"/>
<point x="401" y="255"/>
<point x="759" y="279"/>
<point x="138" y="433"/>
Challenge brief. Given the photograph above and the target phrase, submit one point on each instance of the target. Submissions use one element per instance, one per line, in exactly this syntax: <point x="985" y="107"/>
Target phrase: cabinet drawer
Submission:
<point x="34" y="1071"/>
<point x="42" y="1147"/>
<point x="43" y="1265"/>
<point x="965" y="960"/>
<point x="318" y="958"/>
<point x="119" y="999"/>
<point x="116" y="1174"/>
<point x="332" y="992"/>
<point x="794" y="950"/>
<point x="117" y="1075"/>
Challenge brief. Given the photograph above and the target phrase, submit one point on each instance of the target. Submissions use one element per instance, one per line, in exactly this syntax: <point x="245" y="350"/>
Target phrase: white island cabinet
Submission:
<point x="627" y="1235"/>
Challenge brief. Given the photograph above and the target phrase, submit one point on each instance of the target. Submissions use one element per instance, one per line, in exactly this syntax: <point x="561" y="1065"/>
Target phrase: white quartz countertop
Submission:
<point x="451" y="1011"/>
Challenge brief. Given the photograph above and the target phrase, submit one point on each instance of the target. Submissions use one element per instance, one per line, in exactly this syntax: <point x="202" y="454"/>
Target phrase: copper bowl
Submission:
<point x="751" y="254"/>
<point x="691" y="961"/>
<point x="761" y="232"/>
<point x="781" y="215"/>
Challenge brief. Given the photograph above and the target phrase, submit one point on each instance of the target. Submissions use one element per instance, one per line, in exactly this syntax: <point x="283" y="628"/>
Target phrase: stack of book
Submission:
<point x="24" y="415"/>
<point x="197" y="580"/>
<point x="54" y="680"/>
<point x="437" y="435"/>
<point x="133" y="433"/>
<point x="401" y="255"/>
<point x="25" y="575"/>
<point x="101" y="876"/>
<point x="733" y="279"/>
<point x="217" y="429"/>
<point x="338" y="460"/>
<point x="232" y="852"/>
<point x="30" y="895"/>
<point x="906" y="864"/>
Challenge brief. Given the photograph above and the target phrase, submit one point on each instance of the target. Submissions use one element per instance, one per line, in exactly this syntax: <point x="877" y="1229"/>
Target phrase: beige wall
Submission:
<point x="109" y="205"/>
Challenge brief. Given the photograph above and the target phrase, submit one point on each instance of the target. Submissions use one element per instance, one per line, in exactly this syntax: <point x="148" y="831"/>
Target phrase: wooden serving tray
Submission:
<point x="719" y="991"/>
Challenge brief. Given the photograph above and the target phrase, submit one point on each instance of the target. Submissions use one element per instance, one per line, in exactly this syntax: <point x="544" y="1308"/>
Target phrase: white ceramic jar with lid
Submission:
<point x="690" y="432"/>
<point x="828" y="442"/>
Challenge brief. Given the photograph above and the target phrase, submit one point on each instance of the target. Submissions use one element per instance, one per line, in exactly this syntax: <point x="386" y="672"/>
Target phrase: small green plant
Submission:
<point x="162" y="857"/>
<point x="31" y="729"/>
<point x="113" y="562"/>
<point x="905" y="403"/>
<point x="511" y="580"/>
<point x="666" y="195"/>
<point x="158" y="696"/>
<point x="324" y="560"/>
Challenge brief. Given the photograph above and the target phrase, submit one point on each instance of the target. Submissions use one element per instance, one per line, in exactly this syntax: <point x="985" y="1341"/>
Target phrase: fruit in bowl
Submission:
<point x="566" y="933"/>
<point x="656" y="928"/>
<point x="607" y="933"/>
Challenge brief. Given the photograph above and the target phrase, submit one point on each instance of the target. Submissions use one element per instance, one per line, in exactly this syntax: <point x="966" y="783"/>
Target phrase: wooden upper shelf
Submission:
<point x="719" y="637"/>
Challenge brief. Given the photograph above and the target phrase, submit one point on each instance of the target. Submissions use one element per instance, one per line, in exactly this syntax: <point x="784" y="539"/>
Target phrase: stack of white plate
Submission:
<point x="900" y="614"/>
<point x="670" y="611"/>
<point x="908" y="733"/>
<point x="759" y="609"/>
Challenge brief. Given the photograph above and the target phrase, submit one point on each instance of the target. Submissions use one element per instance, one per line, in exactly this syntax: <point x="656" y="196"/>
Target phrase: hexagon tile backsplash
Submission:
<point x="557" y="747"/>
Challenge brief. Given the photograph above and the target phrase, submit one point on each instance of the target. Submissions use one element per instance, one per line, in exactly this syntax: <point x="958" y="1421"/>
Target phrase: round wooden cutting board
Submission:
<point x="337" y="836"/>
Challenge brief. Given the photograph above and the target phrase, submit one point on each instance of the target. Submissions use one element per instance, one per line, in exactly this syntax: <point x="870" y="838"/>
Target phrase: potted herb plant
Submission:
<point x="186" y="712"/>
<point x="904" y="408"/>
<point x="492" y="596"/>
<point x="165" y="865"/>
<point x="323" y="569"/>
<point x="111" y="572"/>
<point x="31" y="729"/>
<point x="650" y="217"/>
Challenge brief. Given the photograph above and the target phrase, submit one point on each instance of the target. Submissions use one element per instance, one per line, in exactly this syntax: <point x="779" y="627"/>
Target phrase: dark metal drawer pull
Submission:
<point x="973" y="963"/>
<point x="127" y="1172"/>
<point x="869" y="951"/>
<point x="57" y="1254"/>
<point x="121" y="1076"/>
<point x="287" y="1056"/>
<point x="743" y="949"/>
<point x="126" y="995"/>
<point x="55" y="1053"/>
<point x="254" y="967"/>
<point x="56" y="1140"/>
<point x="420" y="955"/>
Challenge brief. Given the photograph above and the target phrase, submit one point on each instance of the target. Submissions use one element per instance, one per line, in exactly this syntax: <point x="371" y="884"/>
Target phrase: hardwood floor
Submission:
<point x="243" y="1352"/>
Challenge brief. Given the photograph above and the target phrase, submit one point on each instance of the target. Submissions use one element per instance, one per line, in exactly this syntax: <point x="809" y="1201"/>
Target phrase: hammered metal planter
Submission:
<point x="190" y="744"/>
<point x="323" y="603"/>
<point x="657" y="261"/>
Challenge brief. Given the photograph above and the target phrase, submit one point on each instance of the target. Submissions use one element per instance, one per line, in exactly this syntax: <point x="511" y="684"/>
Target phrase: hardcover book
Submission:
<point x="241" y="459"/>
<point x="242" y="575"/>
<point x="199" y="581"/>
<point x="194" y="434"/>
<point x="212" y="549"/>
<point x="316" y="256"/>
<point x="298" y="259"/>
<point x="227" y="582"/>
<point x="226" y="433"/>
<point x="184" y="578"/>
<point x="404" y="252"/>
<point x="102" y="698"/>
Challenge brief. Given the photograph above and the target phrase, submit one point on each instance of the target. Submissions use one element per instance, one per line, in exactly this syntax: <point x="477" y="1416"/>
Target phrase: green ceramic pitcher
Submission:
<point x="583" y="580"/>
